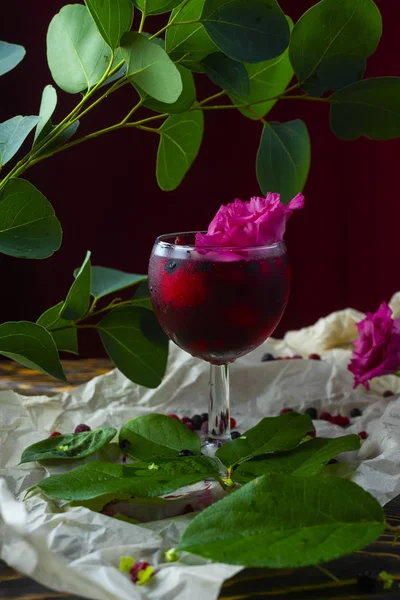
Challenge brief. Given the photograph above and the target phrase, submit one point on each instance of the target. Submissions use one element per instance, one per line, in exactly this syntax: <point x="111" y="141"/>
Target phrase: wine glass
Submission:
<point x="218" y="304"/>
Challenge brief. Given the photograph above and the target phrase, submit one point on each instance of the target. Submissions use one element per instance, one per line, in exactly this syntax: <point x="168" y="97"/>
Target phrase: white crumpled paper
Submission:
<point x="76" y="550"/>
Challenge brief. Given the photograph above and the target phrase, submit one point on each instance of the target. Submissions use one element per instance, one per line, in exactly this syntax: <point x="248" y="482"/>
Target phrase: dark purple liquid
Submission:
<point x="219" y="310"/>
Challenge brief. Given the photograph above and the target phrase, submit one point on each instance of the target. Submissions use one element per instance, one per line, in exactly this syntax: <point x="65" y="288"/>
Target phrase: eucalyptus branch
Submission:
<point x="142" y="20"/>
<point x="115" y="303"/>
<point x="171" y="21"/>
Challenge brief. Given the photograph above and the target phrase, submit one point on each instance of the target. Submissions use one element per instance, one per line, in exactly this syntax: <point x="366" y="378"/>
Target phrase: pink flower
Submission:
<point x="377" y="350"/>
<point x="257" y="222"/>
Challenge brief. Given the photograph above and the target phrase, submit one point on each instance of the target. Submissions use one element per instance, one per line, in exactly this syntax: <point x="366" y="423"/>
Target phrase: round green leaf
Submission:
<point x="10" y="56"/>
<point x="136" y="344"/>
<point x="331" y="41"/>
<point x="283" y="159"/>
<point x="65" y="339"/>
<point x="112" y="17"/>
<point x="107" y="281"/>
<point x="192" y="39"/>
<point x="284" y="521"/>
<point x="76" y="52"/>
<point x="157" y="7"/>
<point x="77" y="301"/>
<point x="13" y="133"/>
<point x="185" y="100"/>
<point x="32" y="346"/>
<point x="247" y="30"/>
<point x="228" y="74"/>
<point x="47" y="108"/>
<point x="370" y="107"/>
<point x="149" y="66"/>
<point x="180" y="141"/>
<point x="28" y="225"/>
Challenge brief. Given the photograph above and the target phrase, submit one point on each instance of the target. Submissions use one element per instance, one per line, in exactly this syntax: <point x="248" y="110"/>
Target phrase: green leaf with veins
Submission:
<point x="107" y="281"/>
<point x="10" y="56"/>
<point x="65" y="339"/>
<point x="112" y="17"/>
<point x="77" y="301"/>
<point x="228" y="74"/>
<point x="157" y="7"/>
<point x="13" y="133"/>
<point x="47" y="107"/>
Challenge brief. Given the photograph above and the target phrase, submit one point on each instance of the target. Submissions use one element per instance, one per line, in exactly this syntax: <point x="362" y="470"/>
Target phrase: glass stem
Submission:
<point x="219" y="405"/>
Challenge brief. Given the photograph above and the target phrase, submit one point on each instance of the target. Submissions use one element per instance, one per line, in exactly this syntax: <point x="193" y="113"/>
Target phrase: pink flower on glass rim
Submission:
<point x="257" y="222"/>
<point x="377" y="350"/>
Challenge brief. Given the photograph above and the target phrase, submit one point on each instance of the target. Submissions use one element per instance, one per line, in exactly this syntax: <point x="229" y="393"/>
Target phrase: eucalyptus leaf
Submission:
<point x="283" y="521"/>
<point x="32" y="346"/>
<point x="307" y="460"/>
<point x="154" y="435"/>
<point x="77" y="54"/>
<point x="28" y="225"/>
<point x="228" y="74"/>
<point x="185" y="100"/>
<point x="370" y="107"/>
<point x="271" y="434"/>
<point x="283" y="158"/>
<point x="247" y="30"/>
<point x="77" y="301"/>
<point x="70" y="446"/>
<point x="112" y="17"/>
<point x="331" y="41"/>
<point x="13" y="133"/>
<point x="107" y="281"/>
<point x="192" y="39"/>
<point x="180" y="141"/>
<point x="156" y="7"/>
<point x="150" y="67"/>
<point x="142" y="296"/>
<point x="135" y="342"/>
<point x="47" y="108"/>
<point x="63" y="137"/>
<point x="140" y="479"/>
<point x="65" y="339"/>
<point x="10" y="56"/>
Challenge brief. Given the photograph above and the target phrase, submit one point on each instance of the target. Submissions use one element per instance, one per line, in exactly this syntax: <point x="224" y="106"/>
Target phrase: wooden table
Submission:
<point x="306" y="584"/>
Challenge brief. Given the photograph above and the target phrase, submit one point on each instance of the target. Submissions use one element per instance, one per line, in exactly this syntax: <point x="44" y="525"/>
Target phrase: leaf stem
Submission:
<point x="142" y="20"/>
<point x="327" y="573"/>
<point x="171" y="21"/>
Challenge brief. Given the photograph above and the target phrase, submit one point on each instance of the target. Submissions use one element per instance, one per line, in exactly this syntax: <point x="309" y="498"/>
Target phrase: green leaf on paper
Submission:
<point x="142" y="296"/>
<point x="283" y="521"/>
<point x="370" y="107"/>
<point x="79" y="445"/>
<point x="112" y="17"/>
<point x="28" y="225"/>
<point x="76" y="53"/>
<point x="77" y="301"/>
<point x="307" y="460"/>
<point x="180" y="141"/>
<point x="283" y="158"/>
<point x="10" y="56"/>
<point x="13" y="133"/>
<point x="107" y="281"/>
<point x="140" y="479"/>
<point x="154" y="435"/>
<point x="331" y="41"/>
<point x="157" y="7"/>
<point x="135" y="342"/>
<point x="228" y="74"/>
<point x="32" y="346"/>
<point x="47" y="108"/>
<point x="185" y="100"/>
<point x="271" y="434"/>
<point x="247" y="30"/>
<point x="192" y="39"/>
<point x="150" y="67"/>
<point x="65" y="339"/>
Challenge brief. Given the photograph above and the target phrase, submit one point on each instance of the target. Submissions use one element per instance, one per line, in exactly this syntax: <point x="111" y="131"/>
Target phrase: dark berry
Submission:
<point x="297" y="356"/>
<point x="267" y="357"/>
<point x="355" y="412"/>
<point x="204" y="417"/>
<point x="367" y="581"/>
<point x="187" y="509"/>
<point x="186" y="420"/>
<point x="139" y="566"/>
<point x="55" y="434"/>
<point x="340" y="420"/>
<point x="325" y="416"/>
<point x="314" y="357"/>
<point x="197" y="422"/>
<point x="124" y="443"/>
<point x="235" y="435"/>
<point x="363" y="435"/>
<point x="179" y="241"/>
<point x="185" y="453"/>
<point x="170" y="266"/>
<point x="189" y="425"/>
<point x="174" y="416"/>
<point x="312" y="412"/>
<point x="124" y="457"/>
<point x="333" y="461"/>
<point x="82" y="427"/>
<point x="204" y="427"/>
<point x="285" y="410"/>
<point x="387" y="394"/>
<point x="232" y="422"/>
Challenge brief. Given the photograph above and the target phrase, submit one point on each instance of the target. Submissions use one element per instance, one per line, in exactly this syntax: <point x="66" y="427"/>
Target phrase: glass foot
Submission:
<point x="210" y="445"/>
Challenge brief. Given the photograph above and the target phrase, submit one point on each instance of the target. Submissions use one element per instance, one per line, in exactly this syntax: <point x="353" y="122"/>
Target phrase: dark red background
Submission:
<point x="343" y="247"/>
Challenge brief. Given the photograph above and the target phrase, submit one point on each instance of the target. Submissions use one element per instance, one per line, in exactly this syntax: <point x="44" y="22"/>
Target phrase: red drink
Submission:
<point x="220" y="304"/>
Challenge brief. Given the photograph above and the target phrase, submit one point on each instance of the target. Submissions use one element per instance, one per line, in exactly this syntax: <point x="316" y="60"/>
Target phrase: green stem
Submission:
<point x="142" y="20"/>
<point x="326" y="572"/>
<point x="130" y="113"/>
<point x="213" y="97"/>
<point x="91" y="314"/>
<point x="171" y="21"/>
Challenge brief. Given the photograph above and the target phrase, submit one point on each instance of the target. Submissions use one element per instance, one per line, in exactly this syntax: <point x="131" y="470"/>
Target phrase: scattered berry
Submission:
<point x="287" y="358"/>
<point x="189" y="425"/>
<point x="124" y="459"/>
<point x="297" y="356"/>
<point x="204" y="417"/>
<point x="197" y="422"/>
<point x="204" y="427"/>
<point x="82" y="427"/>
<point x="267" y="357"/>
<point x="185" y="453"/>
<point x="314" y="357"/>
<point x="141" y="572"/>
<point x="170" y="266"/>
<point x="55" y="434"/>
<point x="186" y="420"/>
<point x="333" y="461"/>
<point x="124" y="443"/>
<point x="367" y="581"/>
<point x="363" y="435"/>
<point x="355" y="412"/>
<point x="325" y="416"/>
<point x="174" y="416"/>
<point x="312" y="412"/>
<point x="232" y="422"/>
<point x="285" y="410"/>
<point x="387" y="394"/>
<point x="179" y="241"/>
<point x="187" y="509"/>
<point x="340" y="420"/>
<point x="235" y="435"/>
